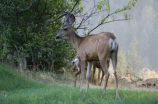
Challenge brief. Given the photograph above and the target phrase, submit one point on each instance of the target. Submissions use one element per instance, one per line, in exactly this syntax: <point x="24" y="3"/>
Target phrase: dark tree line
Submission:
<point x="25" y="39"/>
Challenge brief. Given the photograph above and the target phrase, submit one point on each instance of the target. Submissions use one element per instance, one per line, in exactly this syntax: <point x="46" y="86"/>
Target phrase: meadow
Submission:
<point x="16" y="88"/>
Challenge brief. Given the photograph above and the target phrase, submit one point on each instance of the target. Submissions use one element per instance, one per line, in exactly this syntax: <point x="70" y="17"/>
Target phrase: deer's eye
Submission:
<point x="65" y="29"/>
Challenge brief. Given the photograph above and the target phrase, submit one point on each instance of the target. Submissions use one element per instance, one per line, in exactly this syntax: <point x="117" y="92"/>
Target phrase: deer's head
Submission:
<point x="75" y="64"/>
<point x="66" y="27"/>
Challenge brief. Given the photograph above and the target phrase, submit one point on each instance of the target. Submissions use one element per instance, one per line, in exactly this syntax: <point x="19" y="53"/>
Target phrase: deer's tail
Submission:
<point x="113" y="45"/>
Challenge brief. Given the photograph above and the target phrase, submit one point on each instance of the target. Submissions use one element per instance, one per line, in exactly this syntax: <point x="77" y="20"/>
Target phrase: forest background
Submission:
<point x="27" y="37"/>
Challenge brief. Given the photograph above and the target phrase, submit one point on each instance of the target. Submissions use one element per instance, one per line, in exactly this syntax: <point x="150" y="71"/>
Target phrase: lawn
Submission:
<point x="19" y="89"/>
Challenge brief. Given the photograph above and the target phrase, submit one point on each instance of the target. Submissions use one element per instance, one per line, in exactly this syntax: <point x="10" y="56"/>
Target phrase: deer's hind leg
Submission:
<point x="103" y="63"/>
<point x="114" y="64"/>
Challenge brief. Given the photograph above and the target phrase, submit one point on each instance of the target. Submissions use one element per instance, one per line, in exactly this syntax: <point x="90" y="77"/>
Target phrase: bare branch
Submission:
<point x="103" y="21"/>
<point x="27" y="7"/>
<point x="85" y="17"/>
<point x="74" y="5"/>
<point x="107" y="22"/>
<point x="82" y="28"/>
<point x="62" y="14"/>
<point x="56" y="18"/>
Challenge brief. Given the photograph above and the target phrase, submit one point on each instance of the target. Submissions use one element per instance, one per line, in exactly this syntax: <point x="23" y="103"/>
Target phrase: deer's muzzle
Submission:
<point x="57" y="37"/>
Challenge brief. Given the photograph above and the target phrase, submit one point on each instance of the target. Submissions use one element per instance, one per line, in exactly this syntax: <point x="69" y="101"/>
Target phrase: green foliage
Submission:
<point x="25" y="32"/>
<point x="102" y="4"/>
<point x="126" y="7"/>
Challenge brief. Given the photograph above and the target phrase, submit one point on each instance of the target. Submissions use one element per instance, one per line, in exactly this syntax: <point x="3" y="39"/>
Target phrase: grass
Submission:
<point x="10" y="79"/>
<point x="18" y="89"/>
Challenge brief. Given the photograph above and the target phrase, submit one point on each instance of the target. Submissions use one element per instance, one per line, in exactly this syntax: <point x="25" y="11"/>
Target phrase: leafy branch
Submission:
<point x="104" y="6"/>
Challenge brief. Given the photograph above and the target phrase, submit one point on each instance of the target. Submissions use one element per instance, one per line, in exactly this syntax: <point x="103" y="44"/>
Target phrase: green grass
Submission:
<point x="11" y="80"/>
<point x="23" y="90"/>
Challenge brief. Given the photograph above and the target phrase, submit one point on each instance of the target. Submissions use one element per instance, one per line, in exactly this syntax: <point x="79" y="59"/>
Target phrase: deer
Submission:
<point x="95" y="47"/>
<point x="76" y="67"/>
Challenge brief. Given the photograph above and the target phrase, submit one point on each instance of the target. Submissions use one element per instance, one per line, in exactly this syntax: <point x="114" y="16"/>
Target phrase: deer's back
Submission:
<point x="90" y="45"/>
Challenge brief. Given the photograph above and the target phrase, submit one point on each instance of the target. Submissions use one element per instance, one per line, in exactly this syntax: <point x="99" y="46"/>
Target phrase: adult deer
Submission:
<point x="98" y="47"/>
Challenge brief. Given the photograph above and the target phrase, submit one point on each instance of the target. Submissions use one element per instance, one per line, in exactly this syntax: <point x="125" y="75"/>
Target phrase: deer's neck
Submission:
<point x="74" y="39"/>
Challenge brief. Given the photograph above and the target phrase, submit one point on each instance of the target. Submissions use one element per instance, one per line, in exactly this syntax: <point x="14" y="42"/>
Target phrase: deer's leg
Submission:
<point x="108" y="62"/>
<point x="103" y="63"/>
<point x="83" y="65"/>
<point x="114" y="64"/>
<point x="103" y="71"/>
<point x="88" y="74"/>
<point x="76" y="77"/>
<point x="99" y="76"/>
<point x="94" y="69"/>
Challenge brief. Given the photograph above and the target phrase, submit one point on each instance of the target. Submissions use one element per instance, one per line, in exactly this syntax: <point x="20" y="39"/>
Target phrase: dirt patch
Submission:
<point x="124" y="84"/>
<point x="68" y="80"/>
<point x="141" y="83"/>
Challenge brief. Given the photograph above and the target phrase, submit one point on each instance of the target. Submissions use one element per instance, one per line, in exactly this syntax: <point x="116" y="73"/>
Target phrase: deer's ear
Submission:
<point x="71" y="19"/>
<point x="68" y="61"/>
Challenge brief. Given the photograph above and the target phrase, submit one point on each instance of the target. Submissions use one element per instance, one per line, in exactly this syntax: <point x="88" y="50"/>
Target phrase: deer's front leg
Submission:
<point x="88" y="73"/>
<point x="99" y="77"/>
<point x="83" y="64"/>
<point x="94" y="69"/>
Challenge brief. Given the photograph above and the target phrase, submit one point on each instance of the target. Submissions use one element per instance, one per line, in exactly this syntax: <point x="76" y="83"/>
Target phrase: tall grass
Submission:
<point x="10" y="79"/>
<point x="19" y="89"/>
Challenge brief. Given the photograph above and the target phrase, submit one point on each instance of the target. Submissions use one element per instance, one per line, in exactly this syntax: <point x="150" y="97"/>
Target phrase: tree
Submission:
<point x="134" y="60"/>
<point x="24" y="33"/>
<point x="121" y="65"/>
